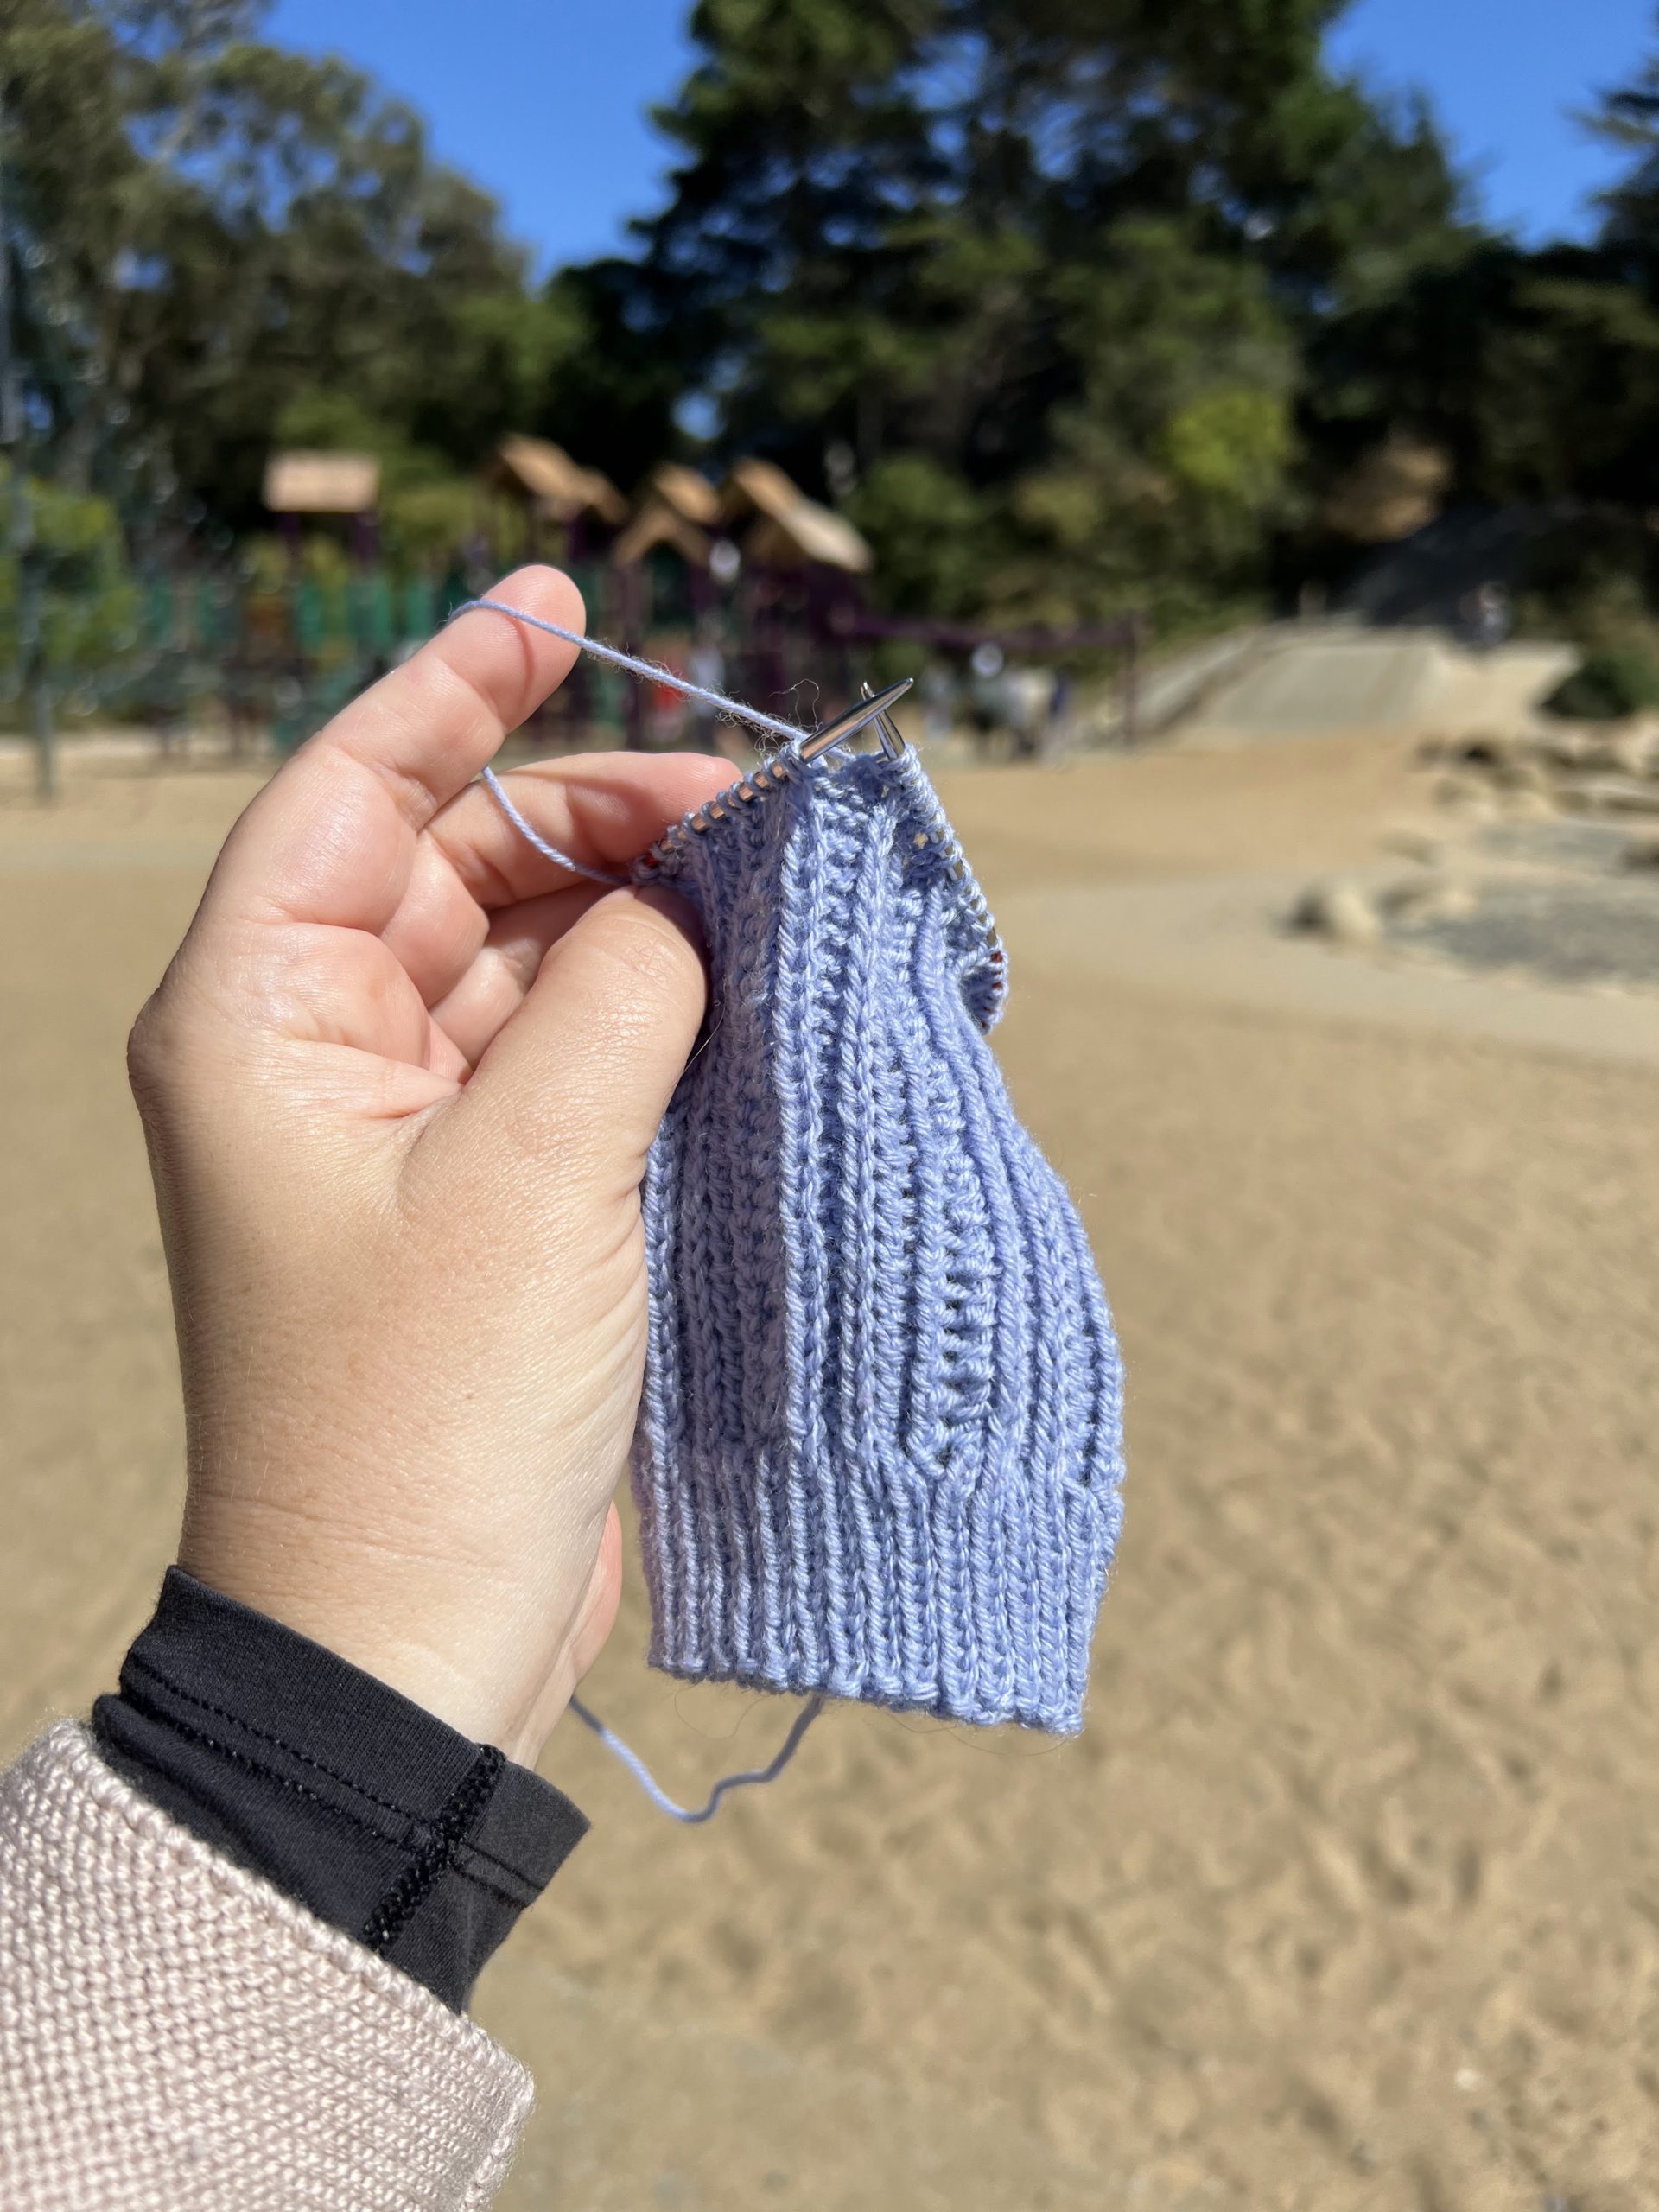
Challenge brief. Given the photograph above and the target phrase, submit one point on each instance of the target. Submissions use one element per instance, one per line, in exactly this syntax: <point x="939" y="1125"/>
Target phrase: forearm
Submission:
<point x="393" y="1827"/>
<point x="238" y="1917"/>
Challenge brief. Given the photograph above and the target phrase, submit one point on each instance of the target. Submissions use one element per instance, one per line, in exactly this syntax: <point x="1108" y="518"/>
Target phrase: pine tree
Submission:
<point x="1045" y="263"/>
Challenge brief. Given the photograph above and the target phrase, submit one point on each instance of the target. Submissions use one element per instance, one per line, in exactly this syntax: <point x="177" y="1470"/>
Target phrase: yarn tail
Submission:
<point x="659" y="1797"/>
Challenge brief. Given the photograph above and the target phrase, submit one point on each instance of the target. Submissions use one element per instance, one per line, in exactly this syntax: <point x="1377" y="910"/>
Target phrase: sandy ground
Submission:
<point x="1349" y="1897"/>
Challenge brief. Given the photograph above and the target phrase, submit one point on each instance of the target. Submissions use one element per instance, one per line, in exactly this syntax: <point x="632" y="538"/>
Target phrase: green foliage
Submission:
<point x="1170" y="467"/>
<point x="1065" y="255"/>
<point x="1608" y="685"/>
<point x="87" y="602"/>
<point x="1232" y="446"/>
<point x="1075" y="305"/>
<point x="1538" y="373"/>
<point x="209" y="230"/>
<point x="1587" y="576"/>
<point x="932" y="527"/>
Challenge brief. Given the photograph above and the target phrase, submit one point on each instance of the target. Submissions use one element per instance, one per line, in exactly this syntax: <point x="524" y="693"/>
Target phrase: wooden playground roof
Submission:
<point x="780" y="525"/>
<point x="789" y="528"/>
<point x="677" y="508"/>
<point x="688" y="493"/>
<point x="657" y="523"/>
<point x="302" y="483"/>
<point x="561" y="486"/>
<point x="773" y="518"/>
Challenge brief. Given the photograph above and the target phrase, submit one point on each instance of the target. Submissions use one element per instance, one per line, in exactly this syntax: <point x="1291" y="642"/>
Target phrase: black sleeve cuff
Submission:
<point x="386" y="1822"/>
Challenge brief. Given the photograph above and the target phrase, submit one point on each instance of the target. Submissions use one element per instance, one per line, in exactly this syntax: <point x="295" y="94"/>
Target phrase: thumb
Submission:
<point x="572" y="1089"/>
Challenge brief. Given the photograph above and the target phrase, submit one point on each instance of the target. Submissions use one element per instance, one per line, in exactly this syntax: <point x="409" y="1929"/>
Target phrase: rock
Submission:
<point x="1571" y="748"/>
<point x="1631" y="753"/>
<point x="1430" y="898"/>
<point x="1468" y="800"/>
<point x="1497" y="752"/>
<point x="1466" y="794"/>
<point x="1526" y="773"/>
<point x="1531" y="805"/>
<point x="1612" y="795"/>
<point x="1627" y="749"/>
<point x="1340" y="911"/>
<point x="1412" y="843"/>
<point x="1434" y="899"/>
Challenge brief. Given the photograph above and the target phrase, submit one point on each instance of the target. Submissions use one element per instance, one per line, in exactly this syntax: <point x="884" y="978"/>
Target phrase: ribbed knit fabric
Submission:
<point x="177" y="2037"/>
<point x="879" y="1449"/>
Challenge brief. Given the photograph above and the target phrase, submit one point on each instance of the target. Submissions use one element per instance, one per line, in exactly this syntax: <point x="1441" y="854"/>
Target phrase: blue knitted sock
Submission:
<point x="881" y="1444"/>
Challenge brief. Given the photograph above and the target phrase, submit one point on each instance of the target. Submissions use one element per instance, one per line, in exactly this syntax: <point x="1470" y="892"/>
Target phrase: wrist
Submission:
<point x="392" y="1619"/>
<point x="384" y="1822"/>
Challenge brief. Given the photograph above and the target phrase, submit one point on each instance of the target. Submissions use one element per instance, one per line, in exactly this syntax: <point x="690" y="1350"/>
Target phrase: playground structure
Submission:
<point x="749" y="586"/>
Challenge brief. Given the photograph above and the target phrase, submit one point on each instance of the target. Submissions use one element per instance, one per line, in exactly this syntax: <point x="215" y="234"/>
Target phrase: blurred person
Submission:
<point x="1059" y="705"/>
<point x="938" y="690"/>
<point x="1029" y="696"/>
<point x="1487" y="618"/>
<point x="398" y="1086"/>
<point x="988" y="710"/>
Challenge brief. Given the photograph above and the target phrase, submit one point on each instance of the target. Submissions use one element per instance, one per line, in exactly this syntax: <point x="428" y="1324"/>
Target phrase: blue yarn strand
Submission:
<point x="648" y="671"/>
<point x="659" y="1797"/>
<point x="498" y="791"/>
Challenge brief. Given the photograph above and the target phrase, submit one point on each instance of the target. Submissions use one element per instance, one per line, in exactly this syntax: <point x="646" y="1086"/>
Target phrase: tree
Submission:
<point x="216" y="225"/>
<point x="1053" y="261"/>
<point x="1535" y="372"/>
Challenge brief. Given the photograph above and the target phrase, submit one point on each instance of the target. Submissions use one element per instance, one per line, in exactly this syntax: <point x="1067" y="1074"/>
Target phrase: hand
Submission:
<point x="398" y="1085"/>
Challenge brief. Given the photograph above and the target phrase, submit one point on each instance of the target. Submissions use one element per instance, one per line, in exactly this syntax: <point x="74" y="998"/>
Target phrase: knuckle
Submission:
<point x="163" y="1043"/>
<point x="150" y="1051"/>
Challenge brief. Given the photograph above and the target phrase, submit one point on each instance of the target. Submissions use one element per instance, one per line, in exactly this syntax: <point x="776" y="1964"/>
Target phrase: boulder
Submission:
<point x="1470" y="796"/>
<point x="1492" y="753"/>
<point x="1612" y="795"/>
<point x="1633" y="753"/>
<point x="1340" y="911"/>
<point x="1412" y="842"/>
<point x="1430" y="898"/>
<point x="1523" y="771"/>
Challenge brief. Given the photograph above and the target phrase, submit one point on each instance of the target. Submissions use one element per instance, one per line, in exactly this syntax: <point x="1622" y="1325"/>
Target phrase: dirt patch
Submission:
<point x="1348" y="1900"/>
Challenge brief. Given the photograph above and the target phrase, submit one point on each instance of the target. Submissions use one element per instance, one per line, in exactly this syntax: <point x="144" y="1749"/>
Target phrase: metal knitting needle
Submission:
<point x="776" y="771"/>
<point x="872" y="708"/>
<point x="893" y="742"/>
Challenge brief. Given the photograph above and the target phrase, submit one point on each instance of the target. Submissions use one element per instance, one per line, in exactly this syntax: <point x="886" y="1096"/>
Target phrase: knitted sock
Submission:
<point x="879" y="1448"/>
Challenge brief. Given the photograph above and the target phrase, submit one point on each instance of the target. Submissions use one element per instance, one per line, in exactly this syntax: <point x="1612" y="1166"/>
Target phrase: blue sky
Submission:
<point x="543" y="101"/>
<point x="1504" y="76"/>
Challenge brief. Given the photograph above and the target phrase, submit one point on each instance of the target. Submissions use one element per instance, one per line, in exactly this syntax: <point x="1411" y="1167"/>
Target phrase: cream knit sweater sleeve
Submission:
<point x="175" y="2035"/>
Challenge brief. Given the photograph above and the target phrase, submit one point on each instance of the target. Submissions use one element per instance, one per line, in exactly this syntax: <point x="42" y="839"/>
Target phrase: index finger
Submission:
<point x="427" y="728"/>
<point x="331" y="836"/>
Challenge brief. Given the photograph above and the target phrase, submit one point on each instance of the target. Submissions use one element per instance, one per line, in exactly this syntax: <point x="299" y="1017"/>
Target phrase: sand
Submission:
<point x="1349" y="1897"/>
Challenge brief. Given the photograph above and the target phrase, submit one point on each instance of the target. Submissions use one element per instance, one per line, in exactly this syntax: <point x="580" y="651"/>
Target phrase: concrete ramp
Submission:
<point x="1397" y="683"/>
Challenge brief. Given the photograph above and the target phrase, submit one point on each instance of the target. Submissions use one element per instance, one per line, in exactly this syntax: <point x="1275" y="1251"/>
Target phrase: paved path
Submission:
<point x="1319" y="683"/>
